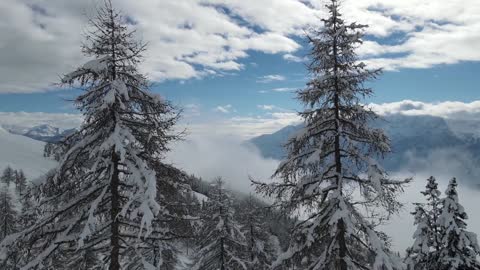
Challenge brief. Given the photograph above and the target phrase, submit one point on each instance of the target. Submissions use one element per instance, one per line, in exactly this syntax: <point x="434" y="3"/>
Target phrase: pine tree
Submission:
<point x="221" y="242"/>
<point x="459" y="248"/>
<point x="8" y="214"/>
<point x="20" y="182"/>
<point x="8" y="176"/>
<point x="8" y="226"/>
<point x="333" y="157"/>
<point x="260" y="242"/>
<point x="106" y="187"/>
<point x="424" y="254"/>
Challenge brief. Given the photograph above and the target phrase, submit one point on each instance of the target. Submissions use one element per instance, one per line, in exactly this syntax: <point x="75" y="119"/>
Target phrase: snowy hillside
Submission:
<point x="24" y="153"/>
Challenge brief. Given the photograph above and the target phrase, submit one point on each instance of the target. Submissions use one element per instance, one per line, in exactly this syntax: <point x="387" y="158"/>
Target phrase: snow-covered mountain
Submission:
<point x="418" y="142"/>
<point x="44" y="132"/>
<point x="24" y="153"/>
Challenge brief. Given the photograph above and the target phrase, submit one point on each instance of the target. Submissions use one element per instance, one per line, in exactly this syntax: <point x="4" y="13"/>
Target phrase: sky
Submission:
<point x="235" y="64"/>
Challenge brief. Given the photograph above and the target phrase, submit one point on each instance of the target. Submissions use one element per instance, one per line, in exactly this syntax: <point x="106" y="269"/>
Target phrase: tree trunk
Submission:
<point x="222" y="253"/>
<point x="341" y="264"/>
<point x="115" y="237"/>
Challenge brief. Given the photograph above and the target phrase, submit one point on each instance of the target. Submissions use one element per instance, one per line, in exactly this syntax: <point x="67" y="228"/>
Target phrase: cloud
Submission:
<point x="448" y="109"/>
<point x="270" y="78"/>
<point x="293" y="58"/>
<point x="266" y="107"/>
<point x="192" y="39"/>
<point x="210" y="155"/>
<point x="25" y="120"/>
<point x="187" y="39"/>
<point x="284" y="89"/>
<point x="224" y="109"/>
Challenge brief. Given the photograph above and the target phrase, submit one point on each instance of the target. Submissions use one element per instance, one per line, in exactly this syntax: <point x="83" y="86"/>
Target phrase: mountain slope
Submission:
<point x="24" y="153"/>
<point x="417" y="137"/>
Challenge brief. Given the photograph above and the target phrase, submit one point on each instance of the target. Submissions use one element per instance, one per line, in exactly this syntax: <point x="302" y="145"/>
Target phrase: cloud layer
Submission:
<point x="448" y="109"/>
<point x="191" y="39"/>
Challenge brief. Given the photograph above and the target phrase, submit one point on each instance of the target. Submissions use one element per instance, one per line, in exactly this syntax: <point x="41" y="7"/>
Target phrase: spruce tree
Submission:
<point x="106" y="186"/>
<point x="333" y="157"/>
<point x="260" y="242"/>
<point x="8" y="176"/>
<point x="20" y="182"/>
<point x="8" y="213"/>
<point x="8" y="226"/>
<point x="221" y="241"/>
<point x="424" y="253"/>
<point x="459" y="247"/>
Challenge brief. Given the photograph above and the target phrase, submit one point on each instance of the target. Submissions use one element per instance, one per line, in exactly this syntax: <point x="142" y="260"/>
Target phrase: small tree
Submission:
<point x="221" y="242"/>
<point x="8" y="214"/>
<point x="8" y="176"/>
<point x="8" y="226"/>
<point x="20" y="182"/>
<point x="260" y="242"/>
<point x="459" y="248"/>
<point x="424" y="254"/>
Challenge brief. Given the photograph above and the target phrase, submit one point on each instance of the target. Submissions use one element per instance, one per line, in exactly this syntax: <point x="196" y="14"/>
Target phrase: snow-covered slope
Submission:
<point x="24" y="153"/>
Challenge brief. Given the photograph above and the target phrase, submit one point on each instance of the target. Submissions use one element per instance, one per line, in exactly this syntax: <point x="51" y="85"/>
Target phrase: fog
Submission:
<point x="209" y="156"/>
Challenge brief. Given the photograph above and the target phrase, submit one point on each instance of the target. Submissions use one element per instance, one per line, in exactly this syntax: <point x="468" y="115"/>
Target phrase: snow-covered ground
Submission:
<point x="24" y="153"/>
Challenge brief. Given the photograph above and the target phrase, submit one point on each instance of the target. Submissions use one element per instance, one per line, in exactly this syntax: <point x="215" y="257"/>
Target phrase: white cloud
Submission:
<point x="192" y="39"/>
<point x="31" y="119"/>
<point x="245" y="126"/>
<point x="225" y="156"/>
<point x="271" y="78"/>
<point x="224" y="109"/>
<point x="446" y="109"/>
<point x="294" y="58"/>
<point x="266" y="107"/>
<point x="41" y="40"/>
<point x="284" y="89"/>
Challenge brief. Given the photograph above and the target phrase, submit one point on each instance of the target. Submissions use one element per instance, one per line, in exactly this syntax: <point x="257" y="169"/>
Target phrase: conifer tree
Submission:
<point x="8" y="213"/>
<point x="8" y="176"/>
<point x="20" y="182"/>
<point x="8" y="226"/>
<point x="332" y="157"/>
<point x="221" y="241"/>
<point x="260" y="246"/>
<point x="106" y="186"/>
<point x="424" y="254"/>
<point x="459" y="247"/>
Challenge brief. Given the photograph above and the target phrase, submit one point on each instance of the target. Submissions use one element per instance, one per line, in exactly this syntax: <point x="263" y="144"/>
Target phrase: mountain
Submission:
<point x="24" y="153"/>
<point x="417" y="136"/>
<point x="44" y="133"/>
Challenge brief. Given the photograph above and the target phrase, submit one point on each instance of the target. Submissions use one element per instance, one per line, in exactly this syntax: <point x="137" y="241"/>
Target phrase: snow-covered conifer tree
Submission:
<point x="221" y="241"/>
<point x="20" y="182"/>
<point x="8" y="176"/>
<point x="330" y="171"/>
<point x="105" y="188"/>
<point x="423" y="255"/>
<point x="8" y="226"/>
<point x="8" y="213"/>
<point x="261" y="251"/>
<point x="459" y="248"/>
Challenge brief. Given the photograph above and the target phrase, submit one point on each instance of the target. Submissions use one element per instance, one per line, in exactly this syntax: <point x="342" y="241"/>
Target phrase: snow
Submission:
<point x="43" y="130"/>
<point x="24" y="153"/>
<point x="200" y="197"/>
